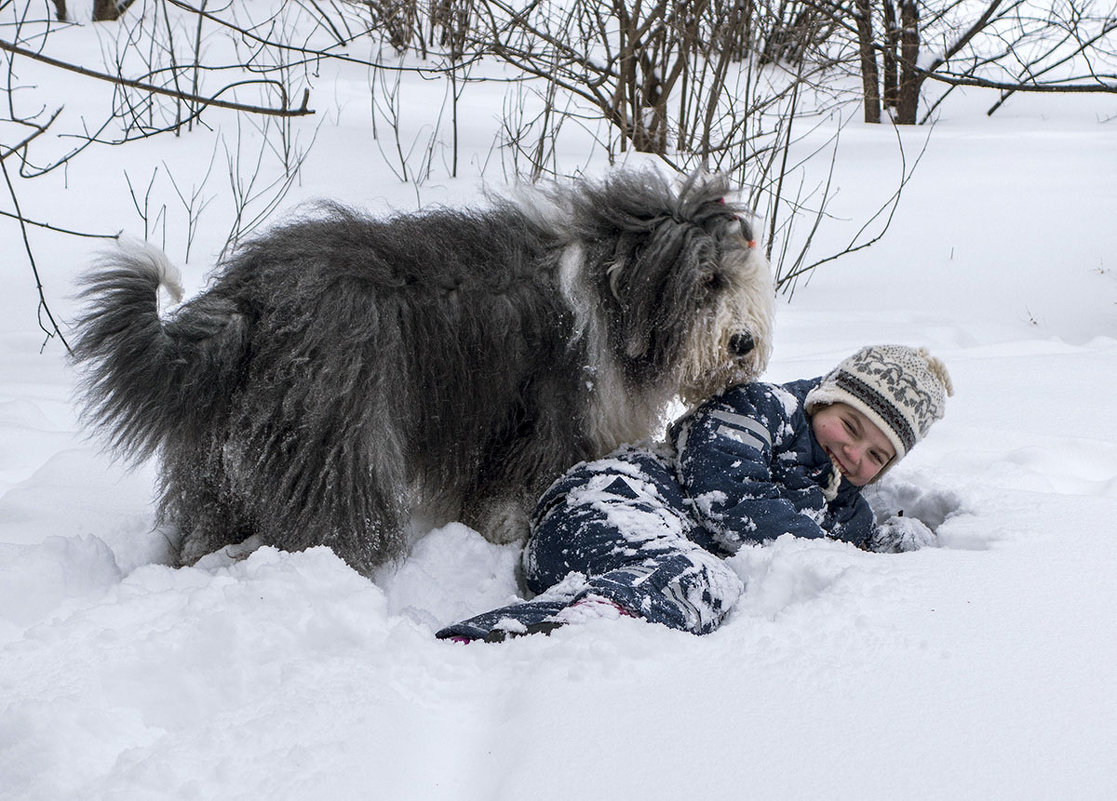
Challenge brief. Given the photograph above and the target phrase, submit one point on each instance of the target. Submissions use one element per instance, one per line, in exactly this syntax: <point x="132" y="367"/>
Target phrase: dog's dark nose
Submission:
<point x="741" y="344"/>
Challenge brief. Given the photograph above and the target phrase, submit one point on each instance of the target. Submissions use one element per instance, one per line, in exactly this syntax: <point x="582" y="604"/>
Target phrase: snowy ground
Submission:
<point x="979" y="669"/>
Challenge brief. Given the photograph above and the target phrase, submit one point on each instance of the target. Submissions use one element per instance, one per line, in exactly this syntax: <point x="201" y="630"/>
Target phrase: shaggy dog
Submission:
<point x="341" y="373"/>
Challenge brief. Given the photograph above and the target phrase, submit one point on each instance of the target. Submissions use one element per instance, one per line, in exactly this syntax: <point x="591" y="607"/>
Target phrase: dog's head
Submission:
<point x="687" y="295"/>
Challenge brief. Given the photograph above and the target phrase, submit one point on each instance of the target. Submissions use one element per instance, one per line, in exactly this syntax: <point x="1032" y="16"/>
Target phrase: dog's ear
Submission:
<point x="635" y="287"/>
<point x="654" y="279"/>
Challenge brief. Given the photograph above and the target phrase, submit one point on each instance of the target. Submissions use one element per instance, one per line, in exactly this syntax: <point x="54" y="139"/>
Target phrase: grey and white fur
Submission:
<point x="341" y="373"/>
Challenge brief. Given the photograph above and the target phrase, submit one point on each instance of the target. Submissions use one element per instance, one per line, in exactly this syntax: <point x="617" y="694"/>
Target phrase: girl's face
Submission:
<point x="856" y="446"/>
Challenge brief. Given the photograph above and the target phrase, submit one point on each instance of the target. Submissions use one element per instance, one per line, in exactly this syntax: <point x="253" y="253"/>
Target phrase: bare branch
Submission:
<point x="1103" y="86"/>
<point x="38" y="131"/>
<point x="52" y="330"/>
<point x="159" y="90"/>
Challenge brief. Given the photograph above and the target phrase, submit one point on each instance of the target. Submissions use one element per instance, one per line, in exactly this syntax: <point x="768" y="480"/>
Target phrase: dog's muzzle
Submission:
<point x="741" y="344"/>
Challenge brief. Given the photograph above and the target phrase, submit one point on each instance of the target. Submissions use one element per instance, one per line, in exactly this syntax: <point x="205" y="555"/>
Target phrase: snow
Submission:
<point x="978" y="669"/>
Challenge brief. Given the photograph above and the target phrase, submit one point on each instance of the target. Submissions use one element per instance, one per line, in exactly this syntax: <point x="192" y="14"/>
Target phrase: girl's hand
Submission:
<point x="900" y="534"/>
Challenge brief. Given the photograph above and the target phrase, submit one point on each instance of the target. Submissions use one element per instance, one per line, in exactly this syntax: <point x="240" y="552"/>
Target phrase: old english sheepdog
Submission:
<point x="342" y="373"/>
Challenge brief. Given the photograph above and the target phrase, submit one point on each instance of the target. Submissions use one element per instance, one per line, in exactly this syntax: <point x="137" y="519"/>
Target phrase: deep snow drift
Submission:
<point x="979" y="669"/>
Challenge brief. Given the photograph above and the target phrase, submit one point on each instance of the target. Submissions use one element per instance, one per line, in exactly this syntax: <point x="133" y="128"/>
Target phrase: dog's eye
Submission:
<point x="735" y="229"/>
<point x="741" y="228"/>
<point x="713" y="281"/>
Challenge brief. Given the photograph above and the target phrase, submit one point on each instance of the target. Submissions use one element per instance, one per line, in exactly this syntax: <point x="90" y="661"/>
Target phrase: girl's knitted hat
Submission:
<point x="901" y="389"/>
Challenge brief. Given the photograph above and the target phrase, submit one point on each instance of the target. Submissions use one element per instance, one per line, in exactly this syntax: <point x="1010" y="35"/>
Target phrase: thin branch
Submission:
<point x="978" y="26"/>
<point x="888" y="209"/>
<point x="311" y="53"/>
<point x="1051" y="88"/>
<point x="44" y="307"/>
<point x="39" y="130"/>
<point x="158" y="90"/>
<point x="55" y="229"/>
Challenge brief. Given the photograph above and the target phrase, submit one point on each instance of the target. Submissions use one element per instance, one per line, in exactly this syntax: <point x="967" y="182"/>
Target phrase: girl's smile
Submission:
<point x="856" y="446"/>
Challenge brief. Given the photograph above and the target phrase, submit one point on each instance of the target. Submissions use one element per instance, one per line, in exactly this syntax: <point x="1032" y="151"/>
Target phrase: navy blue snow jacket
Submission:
<point x="752" y="469"/>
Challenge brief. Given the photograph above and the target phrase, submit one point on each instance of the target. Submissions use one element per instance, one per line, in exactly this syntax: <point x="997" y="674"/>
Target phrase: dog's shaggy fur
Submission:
<point x="342" y="372"/>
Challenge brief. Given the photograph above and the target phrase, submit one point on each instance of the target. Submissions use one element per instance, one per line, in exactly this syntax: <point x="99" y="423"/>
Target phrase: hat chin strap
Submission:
<point x="830" y="491"/>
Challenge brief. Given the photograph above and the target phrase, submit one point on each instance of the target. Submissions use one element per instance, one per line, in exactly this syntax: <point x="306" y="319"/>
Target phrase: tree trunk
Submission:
<point x="890" y="74"/>
<point x="910" y="80"/>
<point x="870" y="79"/>
<point x="105" y="10"/>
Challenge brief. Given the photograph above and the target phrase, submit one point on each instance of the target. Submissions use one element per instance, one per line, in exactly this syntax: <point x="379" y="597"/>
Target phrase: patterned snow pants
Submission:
<point x="617" y="529"/>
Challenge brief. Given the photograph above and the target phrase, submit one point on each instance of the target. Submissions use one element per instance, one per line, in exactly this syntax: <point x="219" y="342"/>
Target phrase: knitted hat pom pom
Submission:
<point x="938" y="369"/>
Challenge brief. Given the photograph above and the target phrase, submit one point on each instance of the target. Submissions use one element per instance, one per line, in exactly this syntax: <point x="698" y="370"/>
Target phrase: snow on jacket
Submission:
<point x="752" y="469"/>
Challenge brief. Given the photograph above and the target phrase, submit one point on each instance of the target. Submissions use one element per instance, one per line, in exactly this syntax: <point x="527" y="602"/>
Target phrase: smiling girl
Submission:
<point x="643" y="532"/>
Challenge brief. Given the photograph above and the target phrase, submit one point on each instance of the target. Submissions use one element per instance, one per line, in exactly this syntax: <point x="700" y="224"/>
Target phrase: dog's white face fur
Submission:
<point x="737" y="298"/>
<point x="747" y="303"/>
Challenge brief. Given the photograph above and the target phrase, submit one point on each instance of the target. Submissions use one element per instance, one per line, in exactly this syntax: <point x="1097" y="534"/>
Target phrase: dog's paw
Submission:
<point x="201" y="552"/>
<point x="501" y="522"/>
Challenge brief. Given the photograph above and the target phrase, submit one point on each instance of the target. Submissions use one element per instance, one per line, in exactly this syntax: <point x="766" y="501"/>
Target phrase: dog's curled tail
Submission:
<point x="146" y="379"/>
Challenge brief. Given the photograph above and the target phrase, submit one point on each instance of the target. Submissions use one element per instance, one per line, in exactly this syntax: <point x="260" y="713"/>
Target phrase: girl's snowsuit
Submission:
<point x="648" y="528"/>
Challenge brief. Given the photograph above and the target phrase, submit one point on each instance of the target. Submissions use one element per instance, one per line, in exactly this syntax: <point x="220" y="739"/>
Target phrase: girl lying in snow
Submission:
<point x="643" y="532"/>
